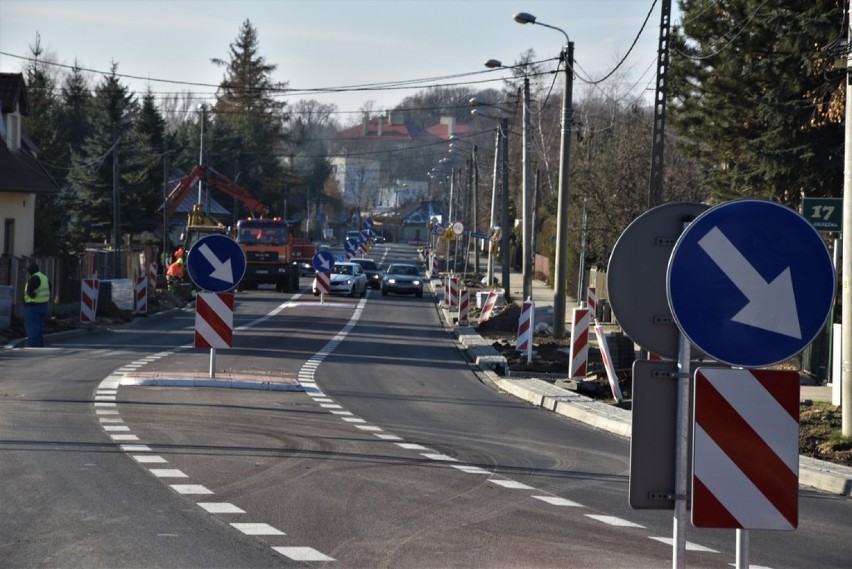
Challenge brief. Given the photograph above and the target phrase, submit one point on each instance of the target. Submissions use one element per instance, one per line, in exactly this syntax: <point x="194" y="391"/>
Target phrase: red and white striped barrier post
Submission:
<point x="214" y="323"/>
<point x="746" y="449"/>
<point x="524" y="341"/>
<point x="488" y="306"/>
<point x="323" y="284"/>
<point x="141" y="294"/>
<point x="578" y="360"/>
<point x="152" y="276"/>
<point x="592" y="299"/>
<point x="607" y="361"/>
<point x="464" y="306"/>
<point x="454" y="293"/>
<point x="89" y="300"/>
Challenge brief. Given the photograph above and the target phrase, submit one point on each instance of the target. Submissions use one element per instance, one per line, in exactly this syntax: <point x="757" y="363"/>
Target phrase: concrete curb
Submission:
<point x="813" y="473"/>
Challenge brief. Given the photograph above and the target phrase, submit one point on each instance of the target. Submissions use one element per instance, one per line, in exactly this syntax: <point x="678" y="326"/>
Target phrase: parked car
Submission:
<point x="374" y="273"/>
<point x="400" y="278"/>
<point x="346" y="278"/>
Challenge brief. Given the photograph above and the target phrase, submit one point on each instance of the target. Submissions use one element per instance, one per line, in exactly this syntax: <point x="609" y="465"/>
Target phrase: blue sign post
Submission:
<point x="216" y="263"/>
<point x="750" y="282"/>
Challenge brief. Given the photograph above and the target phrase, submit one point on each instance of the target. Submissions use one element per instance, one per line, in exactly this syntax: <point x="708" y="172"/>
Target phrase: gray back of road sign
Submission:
<point x="636" y="277"/>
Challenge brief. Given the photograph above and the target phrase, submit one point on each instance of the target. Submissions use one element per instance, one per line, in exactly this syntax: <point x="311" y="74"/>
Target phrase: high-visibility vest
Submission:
<point x="42" y="292"/>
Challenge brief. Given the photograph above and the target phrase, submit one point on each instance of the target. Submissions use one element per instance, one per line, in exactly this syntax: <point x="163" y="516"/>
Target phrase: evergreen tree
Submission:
<point x="40" y="125"/>
<point x="91" y="176"/>
<point x="248" y="127"/>
<point x="743" y="81"/>
<point x="144" y="191"/>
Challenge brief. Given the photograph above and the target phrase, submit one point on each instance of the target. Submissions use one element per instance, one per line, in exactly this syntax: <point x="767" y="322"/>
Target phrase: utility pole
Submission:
<point x="561" y="269"/>
<point x="504" y="232"/>
<point x="116" y="206"/>
<point x="846" y="269"/>
<point x="655" y="191"/>
<point x="525" y="199"/>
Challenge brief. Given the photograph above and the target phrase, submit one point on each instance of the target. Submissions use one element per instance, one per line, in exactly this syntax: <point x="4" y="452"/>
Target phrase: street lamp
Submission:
<point x="503" y="145"/>
<point x="202" y="108"/>
<point x="526" y="229"/>
<point x="561" y="268"/>
<point x="473" y="184"/>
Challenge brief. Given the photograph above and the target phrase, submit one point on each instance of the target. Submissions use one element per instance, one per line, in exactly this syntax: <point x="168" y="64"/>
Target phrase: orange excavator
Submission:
<point x="273" y="254"/>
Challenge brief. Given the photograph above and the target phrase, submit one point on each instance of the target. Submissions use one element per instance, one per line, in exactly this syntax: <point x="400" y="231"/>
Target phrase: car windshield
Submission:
<point x="342" y="269"/>
<point x="368" y="265"/>
<point x="406" y="270"/>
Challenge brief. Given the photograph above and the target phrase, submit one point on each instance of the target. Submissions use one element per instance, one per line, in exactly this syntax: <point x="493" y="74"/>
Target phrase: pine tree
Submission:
<point x="743" y="78"/>
<point x="144" y="191"/>
<point x="91" y="176"/>
<point x="248" y="122"/>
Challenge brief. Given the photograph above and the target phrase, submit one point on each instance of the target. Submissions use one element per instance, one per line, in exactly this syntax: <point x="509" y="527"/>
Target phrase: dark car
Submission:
<point x="402" y="279"/>
<point x="374" y="273"/>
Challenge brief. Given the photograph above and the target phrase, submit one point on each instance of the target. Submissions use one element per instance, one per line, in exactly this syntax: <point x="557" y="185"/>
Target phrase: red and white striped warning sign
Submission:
<point x="89" y="300"/>
<point x="488" y="306"/>
<point x="523" y="343"/>
<point x="464" y="306"/>
<point x="746" y="449"/>
<point x="152" y="276"/>
<point x="451" y="292"/>
<point x="214" y="320"/>
<point x="141" y="294"/>
<point x="579" y="357"/>
<point x="323" y="282"/>
<point x="592" y="299"/>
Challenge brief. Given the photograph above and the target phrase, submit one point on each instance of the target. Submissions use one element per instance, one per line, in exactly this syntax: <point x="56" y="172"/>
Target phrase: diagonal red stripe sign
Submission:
<point x="746" y="449"/>
<point x="214" y="320"/>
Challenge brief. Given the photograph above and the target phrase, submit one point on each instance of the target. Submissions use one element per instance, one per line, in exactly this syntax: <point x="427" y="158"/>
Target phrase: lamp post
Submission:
<point x="526" y="231"/>
<point x="202" y="108"/>
<point x="473" y="183"/>
<point x="561" y="265"/>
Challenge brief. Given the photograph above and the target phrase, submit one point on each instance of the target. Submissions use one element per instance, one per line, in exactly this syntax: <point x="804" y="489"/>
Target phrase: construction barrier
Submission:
<point x="141" y="294"/>
<point x="89" y="300"/>
<point x="578" y="360"/>
<point x="451" y="292"/>
<point x="607" y="361"/>
<point x="524" y="341"/>
<point x="464" y="306"/>
<point x="152" y="276"/>
<point x="592" y="299"/>
<point x="488" y="307"/>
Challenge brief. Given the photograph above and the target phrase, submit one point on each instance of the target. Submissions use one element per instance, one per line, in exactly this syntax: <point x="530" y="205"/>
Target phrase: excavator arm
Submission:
<point x="218" y="181"/>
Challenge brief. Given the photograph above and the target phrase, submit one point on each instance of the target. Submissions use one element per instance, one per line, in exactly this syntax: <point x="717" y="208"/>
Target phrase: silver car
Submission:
<point x="402" y="278"/>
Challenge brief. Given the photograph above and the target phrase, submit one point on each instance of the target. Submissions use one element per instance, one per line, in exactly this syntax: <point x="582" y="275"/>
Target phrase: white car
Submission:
<point x="346" y="278"/>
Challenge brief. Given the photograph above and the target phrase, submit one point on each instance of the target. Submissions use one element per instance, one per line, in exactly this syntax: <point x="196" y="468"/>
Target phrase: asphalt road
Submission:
<point x="398" y="455"/>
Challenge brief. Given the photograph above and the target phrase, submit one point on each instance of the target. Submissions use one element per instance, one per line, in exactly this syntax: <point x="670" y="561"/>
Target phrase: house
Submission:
<point x="22" y="177"/>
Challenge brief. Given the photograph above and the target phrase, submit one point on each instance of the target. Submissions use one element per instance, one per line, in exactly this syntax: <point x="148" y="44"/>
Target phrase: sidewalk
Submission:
<point x="821" y="475"/>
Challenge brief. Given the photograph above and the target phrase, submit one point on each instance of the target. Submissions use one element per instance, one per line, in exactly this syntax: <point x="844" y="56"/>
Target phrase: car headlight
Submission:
<point x="416" y="283"/>
<point x="391" y="281"/>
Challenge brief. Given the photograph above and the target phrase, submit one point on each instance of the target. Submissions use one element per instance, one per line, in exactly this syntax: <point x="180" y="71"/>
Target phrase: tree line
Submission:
<point x="755" y="109"/>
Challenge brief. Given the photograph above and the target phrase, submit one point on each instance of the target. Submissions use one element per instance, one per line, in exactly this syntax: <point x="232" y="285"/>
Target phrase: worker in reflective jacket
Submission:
<point x="36" y="299"/>
<point x="175" y="274"/>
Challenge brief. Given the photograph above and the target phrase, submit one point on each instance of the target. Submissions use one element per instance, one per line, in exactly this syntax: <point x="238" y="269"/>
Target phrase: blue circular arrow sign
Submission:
<point x="216" y="263"/>
<point x="323" y="261"/>
<point x="750" y="282"/>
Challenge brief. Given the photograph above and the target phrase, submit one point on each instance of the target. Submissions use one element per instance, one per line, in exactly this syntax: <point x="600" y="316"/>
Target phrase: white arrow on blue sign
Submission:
<point x="750" y="282"/>
<point x="216" y="263"/>
<point x="323" y="261"/>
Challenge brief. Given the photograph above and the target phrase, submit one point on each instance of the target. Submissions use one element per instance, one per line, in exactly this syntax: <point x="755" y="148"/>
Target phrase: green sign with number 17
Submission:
<point x="825" y="214"/>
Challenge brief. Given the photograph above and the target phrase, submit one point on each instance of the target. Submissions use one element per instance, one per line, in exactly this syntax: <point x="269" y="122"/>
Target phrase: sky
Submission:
<point x="327" y="44"/>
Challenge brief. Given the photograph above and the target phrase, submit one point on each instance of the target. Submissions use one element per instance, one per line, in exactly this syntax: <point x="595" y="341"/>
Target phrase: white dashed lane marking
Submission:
<point x="221" y="508"/>
<point x="257" y="529"/>
<point x="302" y="554"/>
